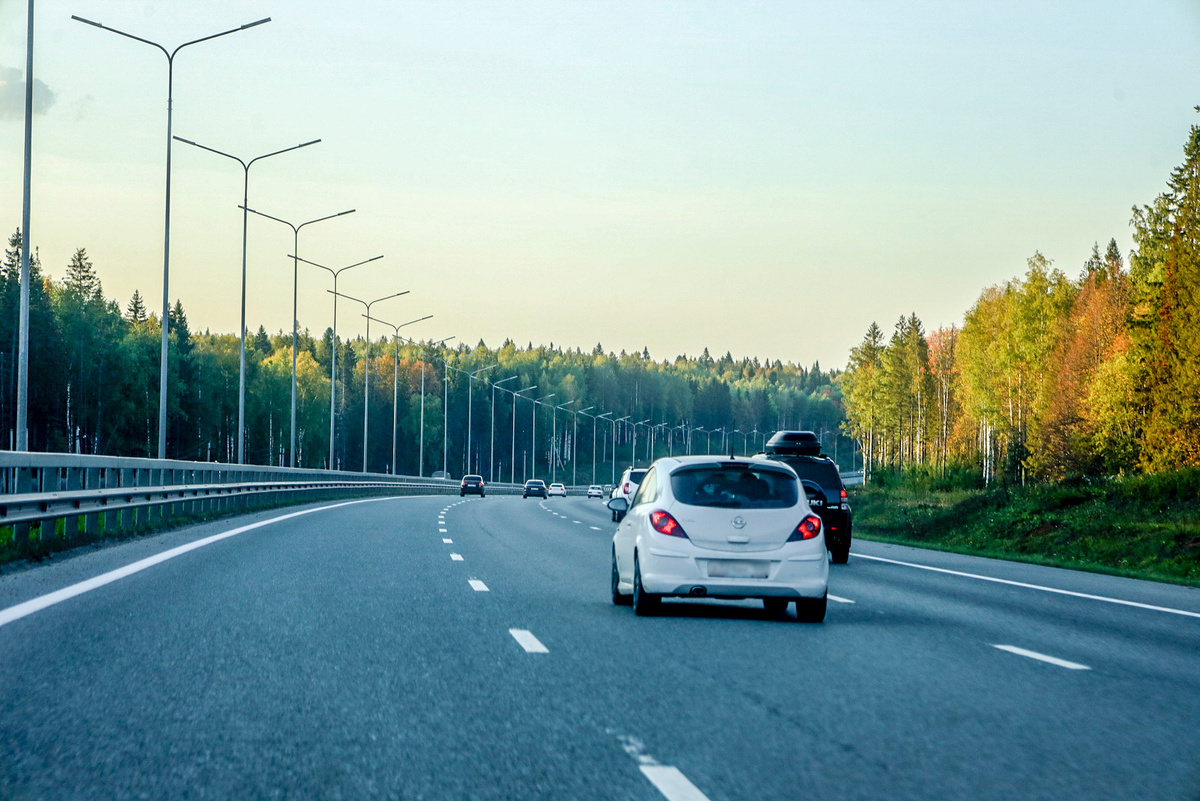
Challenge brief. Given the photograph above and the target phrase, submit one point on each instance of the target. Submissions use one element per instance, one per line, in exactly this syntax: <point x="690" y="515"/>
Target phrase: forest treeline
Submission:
<point x="1051" y="377"/>
<point x="94" y="389"/>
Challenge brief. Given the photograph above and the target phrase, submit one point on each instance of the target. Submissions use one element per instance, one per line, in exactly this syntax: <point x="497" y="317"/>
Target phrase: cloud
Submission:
<point x="12" y="95"/>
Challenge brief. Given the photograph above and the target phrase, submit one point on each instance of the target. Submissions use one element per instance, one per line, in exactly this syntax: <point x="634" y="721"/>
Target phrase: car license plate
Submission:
<point x="737" y="568"/>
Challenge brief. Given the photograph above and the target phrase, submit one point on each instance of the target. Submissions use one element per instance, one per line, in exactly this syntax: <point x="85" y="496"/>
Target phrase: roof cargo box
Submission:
<point x="796" y="443"/>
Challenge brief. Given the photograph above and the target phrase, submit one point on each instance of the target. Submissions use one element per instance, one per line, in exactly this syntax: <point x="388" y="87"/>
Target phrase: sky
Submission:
<point x="763" y="178"/>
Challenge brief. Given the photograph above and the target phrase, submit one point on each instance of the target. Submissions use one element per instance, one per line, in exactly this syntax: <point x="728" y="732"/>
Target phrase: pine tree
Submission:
<point x="135" y="312"/>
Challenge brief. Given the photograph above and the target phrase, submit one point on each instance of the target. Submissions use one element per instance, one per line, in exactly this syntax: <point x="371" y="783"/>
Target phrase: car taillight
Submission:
<point x="665" y="524"/>
<point x="843" y="494"/>
<point x="463" y="484"/>
<point x="809" y="527"/>
<point x="626" y="488"/>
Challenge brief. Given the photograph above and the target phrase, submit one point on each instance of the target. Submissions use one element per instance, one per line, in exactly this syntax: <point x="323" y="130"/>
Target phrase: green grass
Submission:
<point x="1145" y="527"/>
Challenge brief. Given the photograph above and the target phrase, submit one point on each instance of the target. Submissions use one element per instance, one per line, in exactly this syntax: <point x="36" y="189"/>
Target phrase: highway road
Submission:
<point x="437" y="647"/>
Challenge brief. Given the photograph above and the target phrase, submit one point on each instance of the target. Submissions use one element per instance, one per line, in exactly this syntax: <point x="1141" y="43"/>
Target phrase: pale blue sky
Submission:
<point x="764" y="178"/>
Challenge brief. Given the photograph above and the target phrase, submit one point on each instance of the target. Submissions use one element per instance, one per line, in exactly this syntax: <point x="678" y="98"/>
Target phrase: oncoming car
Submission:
<point x="594" y="491"/>
<point x="534" y="486"/>
<point x="700" y="526"/>
<point x="557" y="489"/>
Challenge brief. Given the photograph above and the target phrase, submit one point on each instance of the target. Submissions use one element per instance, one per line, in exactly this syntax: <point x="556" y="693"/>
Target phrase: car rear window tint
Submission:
<point x="735" y="487"/>
<point x="824" y="473"/>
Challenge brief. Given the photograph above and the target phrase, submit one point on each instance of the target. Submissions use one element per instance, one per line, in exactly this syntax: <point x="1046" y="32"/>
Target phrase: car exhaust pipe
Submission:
<point x="699" y="591"/>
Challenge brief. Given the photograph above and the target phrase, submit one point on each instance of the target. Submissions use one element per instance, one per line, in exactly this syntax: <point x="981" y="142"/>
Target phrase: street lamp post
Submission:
<point x="170" y="54"/>
<point x="22" y="422"/>
<point x="295" y="284"/>
<point x="367" y="361"/>
<point x="554" y="437"/>
<point x="512" y="467"/>
<point x="533" y="434"/>
<point x="492" y="451"/>
<point x="396" y="375"/>
<point x="614" y="439"/>
<point x="594" y="419"/>
<point x="246" y="165"/>
<point x="633" y="450"/>
<point x="470" y="387"/>
<point x="421" y="447"/>
<point x="333" y="354"/>
<point x="575" y="445"/>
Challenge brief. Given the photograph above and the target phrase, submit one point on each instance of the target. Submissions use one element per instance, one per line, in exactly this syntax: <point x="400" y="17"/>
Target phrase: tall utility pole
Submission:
<point x="492" y="453"/>
<point x="512" y="467"/>
<point x="22" y="443"/>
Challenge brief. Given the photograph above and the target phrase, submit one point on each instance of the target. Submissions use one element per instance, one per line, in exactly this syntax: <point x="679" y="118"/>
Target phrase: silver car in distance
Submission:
<point x="705" y="526"/>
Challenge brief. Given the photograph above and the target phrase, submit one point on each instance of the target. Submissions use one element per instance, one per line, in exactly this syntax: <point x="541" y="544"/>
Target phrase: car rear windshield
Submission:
<point x="821" y="471"/>
<point x="472" y="478"/>
<point x="735" y="487"/>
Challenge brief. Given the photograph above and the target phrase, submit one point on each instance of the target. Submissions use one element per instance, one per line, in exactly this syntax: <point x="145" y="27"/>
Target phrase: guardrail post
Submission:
<point x="126" y="477"/>
<point x="92" y="480"/>
<point x="23" y="479"/>
<point x="74" y="481"/>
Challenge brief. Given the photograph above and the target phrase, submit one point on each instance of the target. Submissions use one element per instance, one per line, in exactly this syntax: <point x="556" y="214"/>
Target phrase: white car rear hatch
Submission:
<point x="737" y="506"/>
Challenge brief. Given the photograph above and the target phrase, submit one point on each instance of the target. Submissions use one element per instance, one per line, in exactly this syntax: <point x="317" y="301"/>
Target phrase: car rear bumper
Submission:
<point x="790" y="573"/>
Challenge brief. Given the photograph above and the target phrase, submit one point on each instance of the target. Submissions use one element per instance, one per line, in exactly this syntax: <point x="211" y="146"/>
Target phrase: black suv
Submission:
<point x="535" y="486"/>
<point x="801" y="451"/>
<point x="471" y="484"/>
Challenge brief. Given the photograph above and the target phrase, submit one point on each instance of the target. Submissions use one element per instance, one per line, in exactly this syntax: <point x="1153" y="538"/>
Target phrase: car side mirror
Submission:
<point x="619" y="505"/>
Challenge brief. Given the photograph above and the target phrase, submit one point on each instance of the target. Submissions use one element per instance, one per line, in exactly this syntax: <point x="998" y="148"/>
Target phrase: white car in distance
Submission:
<point x="557" y="489"/>
<point x="595" y="491"/>
<point x="700" y="526"/>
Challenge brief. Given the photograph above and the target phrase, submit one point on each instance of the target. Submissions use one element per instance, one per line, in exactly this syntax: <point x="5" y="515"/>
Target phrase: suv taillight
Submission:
<point x="665" y="524"/>
<point x="809" y="528"/>
<point x="625" y="489"/>
<point x="843" y="494"/>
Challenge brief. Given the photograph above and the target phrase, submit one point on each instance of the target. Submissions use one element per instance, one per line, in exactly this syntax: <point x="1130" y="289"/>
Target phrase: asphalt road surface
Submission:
<point x="434" y="647"/>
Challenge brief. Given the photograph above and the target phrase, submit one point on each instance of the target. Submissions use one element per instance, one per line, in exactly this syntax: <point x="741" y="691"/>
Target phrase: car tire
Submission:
<point x="775" y="606"/>
<point x="644" y="603"/>
<point x="840" y="556"/>
<point x="617" y="597"/>
<point x="811" y="610"/>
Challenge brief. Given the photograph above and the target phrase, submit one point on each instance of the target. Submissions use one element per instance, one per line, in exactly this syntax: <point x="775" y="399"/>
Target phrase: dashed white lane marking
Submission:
<point x="1053" y="660"/>
<point x="478" y="585"/>
<point x="456" y="557"/>
<point x="50" y="599"/>
<point x="531" y="644"/>
<point x="594" y="528"/>
<point x="672" y="784"/>
<point x="839" y="599"/>
<point x="448" y="542"/>
<point x="670" y="781"/>
<point x="1054" y="590"/>
<point x="441" y="531"/>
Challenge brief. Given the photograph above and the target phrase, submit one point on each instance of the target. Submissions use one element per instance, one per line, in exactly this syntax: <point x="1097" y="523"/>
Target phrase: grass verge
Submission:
<point x="1145" y="527"/>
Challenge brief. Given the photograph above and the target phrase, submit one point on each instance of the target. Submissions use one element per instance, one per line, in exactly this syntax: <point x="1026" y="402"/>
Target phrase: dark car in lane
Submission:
<point x="535" y="486"/>
<point x="471" y="484"/>
<point x="801" y="451"/>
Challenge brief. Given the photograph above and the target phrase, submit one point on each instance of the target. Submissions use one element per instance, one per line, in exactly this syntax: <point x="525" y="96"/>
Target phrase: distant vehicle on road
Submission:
<point x="472" y="484"/>
<point x="557" y="489"/>
<point x="534" y="486"/>
<point x="595" y="491"/>
<point x="608" y="488"/>
<point x="442" y="474"/>
<point x="801" y="451"/>
<point x="703" y="526"/>
<point x="627" y="486"/>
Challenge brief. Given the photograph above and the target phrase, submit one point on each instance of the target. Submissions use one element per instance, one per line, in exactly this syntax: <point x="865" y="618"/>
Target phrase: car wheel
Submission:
<point x="811" y="610"/>
<point x="617" y="597"/>
<point x="840" y="556"/>
<point x="644" y="603"/>
<point x="775" y="606"/>
<point x="481" y="495"/>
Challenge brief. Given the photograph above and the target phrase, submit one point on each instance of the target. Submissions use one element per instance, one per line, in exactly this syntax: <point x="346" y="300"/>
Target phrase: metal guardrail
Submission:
<point x="108" y="493"/>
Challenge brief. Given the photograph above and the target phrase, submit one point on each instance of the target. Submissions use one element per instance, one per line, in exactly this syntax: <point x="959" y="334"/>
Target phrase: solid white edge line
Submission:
<point x="1053" y="660"/>
<point x="50" y="599"/>
<point x="478" y="585"/>
<point x="1034" y="586"/>
<point x="839" y="599"/>
<point x="672" y="783"/>
<point x="530" y="643"/>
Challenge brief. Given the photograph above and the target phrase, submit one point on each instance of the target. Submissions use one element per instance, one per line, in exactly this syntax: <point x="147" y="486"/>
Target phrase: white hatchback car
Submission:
<point x="701" y="526"/>
<point x="557" y="489"/>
